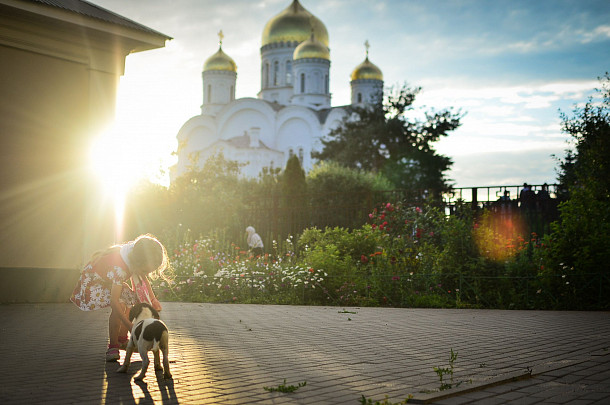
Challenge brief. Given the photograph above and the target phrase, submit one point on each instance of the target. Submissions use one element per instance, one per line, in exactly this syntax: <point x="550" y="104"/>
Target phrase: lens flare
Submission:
<point x="499" y="236"/>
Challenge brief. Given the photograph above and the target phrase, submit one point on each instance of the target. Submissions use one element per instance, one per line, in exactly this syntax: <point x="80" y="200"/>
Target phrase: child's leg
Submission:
<point x="123" y="331"/>
<point x="115" y="326"/>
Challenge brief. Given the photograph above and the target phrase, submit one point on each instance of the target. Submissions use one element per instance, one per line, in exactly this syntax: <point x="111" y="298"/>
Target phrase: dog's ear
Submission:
<point x="134" y="312"/>
<point x="155" y="313"/>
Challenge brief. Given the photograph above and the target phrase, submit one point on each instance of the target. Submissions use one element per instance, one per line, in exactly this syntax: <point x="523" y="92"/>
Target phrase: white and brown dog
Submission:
<point x="148" y="333"/>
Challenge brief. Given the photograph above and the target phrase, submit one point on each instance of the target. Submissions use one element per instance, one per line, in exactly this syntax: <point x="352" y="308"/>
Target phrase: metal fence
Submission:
<point x="277" y="217"/>
<point x="552" y="291"/>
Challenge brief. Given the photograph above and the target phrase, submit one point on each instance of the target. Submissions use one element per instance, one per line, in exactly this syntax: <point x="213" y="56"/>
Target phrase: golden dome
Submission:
<point x="220" y="61"/>
<point x="367" y="70"/>
<point x="294" y="24"/>
<point x="311" y="48"/>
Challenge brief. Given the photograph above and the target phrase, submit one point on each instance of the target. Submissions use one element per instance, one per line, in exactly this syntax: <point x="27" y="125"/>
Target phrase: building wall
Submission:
<point x="59" y="73"/>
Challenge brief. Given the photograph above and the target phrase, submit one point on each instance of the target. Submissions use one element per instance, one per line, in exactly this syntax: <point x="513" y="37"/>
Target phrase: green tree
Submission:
<point x="293" y="179"/>
<point x="382" y="139"/>
<point x="579" y="240"/>
<point x="147" y="210"/>
<point x="209" y="197"/>
<point x="588" y="165"/>
<point x="343" y="196"/>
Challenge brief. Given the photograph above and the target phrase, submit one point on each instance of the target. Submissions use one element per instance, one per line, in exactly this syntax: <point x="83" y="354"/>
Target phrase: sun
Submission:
<point x="117" y="160"/>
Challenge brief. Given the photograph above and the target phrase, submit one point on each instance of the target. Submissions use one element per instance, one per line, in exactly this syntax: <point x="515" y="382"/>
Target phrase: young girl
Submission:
<point x="103" y="283"/>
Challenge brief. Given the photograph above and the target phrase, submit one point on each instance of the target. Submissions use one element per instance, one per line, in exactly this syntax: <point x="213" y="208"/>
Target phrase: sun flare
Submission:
<point x="116" y="160"/>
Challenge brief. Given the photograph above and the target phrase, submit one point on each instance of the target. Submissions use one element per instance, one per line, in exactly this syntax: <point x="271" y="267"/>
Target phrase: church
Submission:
<point x="292" y="112"/>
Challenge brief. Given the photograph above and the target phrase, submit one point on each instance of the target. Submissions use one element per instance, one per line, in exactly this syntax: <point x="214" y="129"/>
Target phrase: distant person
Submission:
<point x="527" y="197"/>
<point x="103" y="283"/>
<point x="254" y="241"/>
<point x="543" y="194"/>
<point x="504" y="202"/>
<point x="543" y="197"/>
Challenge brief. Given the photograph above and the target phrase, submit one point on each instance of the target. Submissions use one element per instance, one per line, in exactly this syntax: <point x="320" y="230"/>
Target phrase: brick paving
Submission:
<point x="226" y="354"/>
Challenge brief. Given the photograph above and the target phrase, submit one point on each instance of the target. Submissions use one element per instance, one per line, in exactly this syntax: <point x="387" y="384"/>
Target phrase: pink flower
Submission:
<point x="417" y="209"/>
<point x="364" y="259"/>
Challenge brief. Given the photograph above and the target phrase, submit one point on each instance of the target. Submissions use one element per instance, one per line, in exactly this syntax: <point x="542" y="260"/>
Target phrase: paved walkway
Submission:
<point x="227" y="354"/>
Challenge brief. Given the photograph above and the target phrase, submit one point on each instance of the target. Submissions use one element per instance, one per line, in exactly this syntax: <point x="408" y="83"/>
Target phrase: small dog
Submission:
<point x="148" y="333"/>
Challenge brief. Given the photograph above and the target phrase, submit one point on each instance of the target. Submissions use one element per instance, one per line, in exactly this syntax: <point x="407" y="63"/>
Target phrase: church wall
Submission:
<point x="199" y="138"/>
<point x="311" y="83"/>
<point x="275" y="85"/>
<point x="295" y="135"/>
<point x="218" y="88"/>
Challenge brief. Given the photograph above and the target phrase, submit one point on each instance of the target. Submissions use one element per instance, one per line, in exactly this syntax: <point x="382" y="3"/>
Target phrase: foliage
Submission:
<point x="147" y="210"/>
<point x="329" y="178"/>
<point x="293" y="180"/>
<point x="406" y="256"/>
<point x="381" y="139"/>
<point x="368" y="401"/>
<point x="442" y="371"/>
<point x="285" y="388"/>
<point x="589" y="165"/>
<point x="208" y="198"/>
<point x="578" y="241"/>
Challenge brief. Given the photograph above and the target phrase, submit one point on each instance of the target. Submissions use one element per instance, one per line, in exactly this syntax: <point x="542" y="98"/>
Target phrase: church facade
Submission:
<point x="293" y="110"/>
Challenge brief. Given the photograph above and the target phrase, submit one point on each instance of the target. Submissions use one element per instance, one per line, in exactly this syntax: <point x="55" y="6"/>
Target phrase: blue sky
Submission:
<point x="510" y="66"/>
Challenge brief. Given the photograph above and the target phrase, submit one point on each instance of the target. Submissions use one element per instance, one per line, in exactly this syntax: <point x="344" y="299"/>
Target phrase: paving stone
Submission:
<point x="54" y="353"/>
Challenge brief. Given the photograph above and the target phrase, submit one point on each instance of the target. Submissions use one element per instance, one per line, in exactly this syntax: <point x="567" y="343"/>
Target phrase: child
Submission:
<point x="103" y="283"/>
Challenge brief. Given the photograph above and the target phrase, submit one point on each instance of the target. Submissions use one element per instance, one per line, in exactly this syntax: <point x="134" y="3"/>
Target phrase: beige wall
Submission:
<point x="58" y="84"/>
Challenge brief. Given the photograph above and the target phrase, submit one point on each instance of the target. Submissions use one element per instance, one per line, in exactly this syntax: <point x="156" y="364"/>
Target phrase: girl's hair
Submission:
<point x="148" y="253"/>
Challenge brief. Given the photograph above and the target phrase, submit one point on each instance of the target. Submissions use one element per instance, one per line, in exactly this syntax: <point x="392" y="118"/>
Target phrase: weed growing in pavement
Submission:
<point x="369" y="401"/>
<point x="285" y="388"/>
<point x="347" y="312"/>
<point x="441" y="372"/>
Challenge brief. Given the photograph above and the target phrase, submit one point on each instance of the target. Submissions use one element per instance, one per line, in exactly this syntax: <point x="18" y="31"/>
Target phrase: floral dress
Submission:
<point x="97" y="278"/>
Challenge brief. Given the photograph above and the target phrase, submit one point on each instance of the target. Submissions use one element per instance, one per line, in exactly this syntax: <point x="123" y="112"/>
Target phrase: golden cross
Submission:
<point x="220" y="37"/>
<point x="367" y="46"/>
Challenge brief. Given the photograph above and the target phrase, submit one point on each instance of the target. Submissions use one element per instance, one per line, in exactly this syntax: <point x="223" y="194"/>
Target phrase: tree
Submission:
<point x="589" y="164"/>
<point x="209" y="197"/>
<point x="380" y="138"/>
<point x="579" y="240"/>
<point x="293" y="179"/>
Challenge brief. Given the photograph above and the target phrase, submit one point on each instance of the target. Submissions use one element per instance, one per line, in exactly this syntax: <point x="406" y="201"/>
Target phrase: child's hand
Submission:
<point x="156" y="304"/>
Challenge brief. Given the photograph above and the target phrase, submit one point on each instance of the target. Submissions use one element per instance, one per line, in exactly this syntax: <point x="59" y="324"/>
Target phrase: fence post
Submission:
<point x="275" y="214"/>
<point x="474" y="203"/>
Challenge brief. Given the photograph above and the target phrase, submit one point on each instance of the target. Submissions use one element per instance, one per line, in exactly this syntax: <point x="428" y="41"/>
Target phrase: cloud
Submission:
<point x="505" y="168"/>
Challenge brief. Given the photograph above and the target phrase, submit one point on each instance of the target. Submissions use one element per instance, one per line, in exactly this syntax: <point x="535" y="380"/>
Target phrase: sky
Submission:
<point x="510" y="66"/>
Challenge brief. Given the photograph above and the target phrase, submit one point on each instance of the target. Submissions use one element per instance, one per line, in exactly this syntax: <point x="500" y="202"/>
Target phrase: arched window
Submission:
<point x="301" y="155"/>
<point x="276" y="72"/>
<point x="288" y="72"/>
<point x="266" y="74"/>
<point x="290" y="153"/>
<point x="360" y="97"/>
<point x="231" y="94"/>
<point x="326" y="84"/>
<point x="209" y="93"/>
<point x="317" y="83"/>
<point x="302" y="82"/>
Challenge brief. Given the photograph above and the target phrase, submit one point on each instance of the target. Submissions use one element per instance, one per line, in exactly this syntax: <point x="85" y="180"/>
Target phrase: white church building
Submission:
<point x="293" y="110"/>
